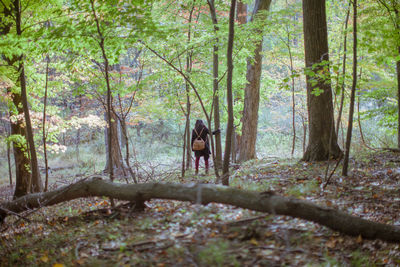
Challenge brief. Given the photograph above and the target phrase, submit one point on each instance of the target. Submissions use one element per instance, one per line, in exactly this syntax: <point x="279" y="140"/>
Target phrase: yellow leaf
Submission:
<point x="58" y="265"/>
<point x="254" y="242"/>
<point x="359" y="239"/>
<point x="44" y="258"/>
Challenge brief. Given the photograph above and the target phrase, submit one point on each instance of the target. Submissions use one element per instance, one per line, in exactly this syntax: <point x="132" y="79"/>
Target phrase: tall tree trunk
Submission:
<point x="187" y="135"/>
<point x="289" y="41"/>
<point x="217" y="122"/>
<point x="252" y="95"/>
<point x="229" y="128"/>
<point x="36" y="182"/>
<point x="218" y="145"/>
<point x="44" y="133"/>
<point x="188" y="68"/>
<point x="183" y="169"/>
<point x="78" y="133"/>
<point x="344" y="70"/>
<point x="110" y="132"/>
<point x="21" y="159"/>
<point x="322" y="141"/>
<point x="398" y="98"/>
<point x="353" y="93"/>
<point x="10" y="175"/>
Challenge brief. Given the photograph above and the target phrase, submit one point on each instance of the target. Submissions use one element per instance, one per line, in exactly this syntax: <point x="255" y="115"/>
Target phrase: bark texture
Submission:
<point x="322" y="142"/>
<point x="248" y="140"/>
<point x="21" y="158"/>
<point x="204" y="194"/>
<point x="119" y="168"/>
<point x="229" y="96"/>
<point x="218" y="144"/>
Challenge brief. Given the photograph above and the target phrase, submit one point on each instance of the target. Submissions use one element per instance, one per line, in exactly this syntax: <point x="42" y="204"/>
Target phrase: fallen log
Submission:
<point x="204" y="194"/>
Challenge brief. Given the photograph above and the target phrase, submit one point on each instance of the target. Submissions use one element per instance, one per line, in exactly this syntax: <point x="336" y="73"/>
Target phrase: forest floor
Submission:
<point x="87" y="232"/>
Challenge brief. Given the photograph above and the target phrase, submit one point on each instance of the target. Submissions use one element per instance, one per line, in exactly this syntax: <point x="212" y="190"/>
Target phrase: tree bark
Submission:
<point x="343" y="70"/>
<point x="353" y="93"/>
<point x="21" y="158"/>
<point x="248" y="140"/>
<point x="322" y="142"/>
<point x="398" y="98"/>
<point x="229" y="97"/>
<point x="204" y="194"/>
<point x="109" y="98"/>
<point x="117" y="161"/>
<point x="44" y="134"/>
<point x="218" y="145"/>
<point x="36" y="182"/>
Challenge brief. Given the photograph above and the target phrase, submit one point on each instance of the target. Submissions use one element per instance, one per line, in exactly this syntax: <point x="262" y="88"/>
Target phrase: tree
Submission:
<point x="393" y="9"/>
<point x="322" y="143"/>
<point x="353" y="92"/>
<point x="27" y="171"/>
<point x="111" y="123"/>
<point x="252" y="91"/>
<point x="218" y="146"/>
<point x="229" y="98"/>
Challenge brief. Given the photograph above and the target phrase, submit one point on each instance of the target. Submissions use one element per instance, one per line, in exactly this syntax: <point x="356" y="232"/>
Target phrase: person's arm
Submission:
<point x="216" y="132"/>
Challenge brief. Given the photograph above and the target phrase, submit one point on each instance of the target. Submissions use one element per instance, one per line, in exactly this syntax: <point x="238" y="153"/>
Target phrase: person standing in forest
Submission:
<point x="200" y="144"/>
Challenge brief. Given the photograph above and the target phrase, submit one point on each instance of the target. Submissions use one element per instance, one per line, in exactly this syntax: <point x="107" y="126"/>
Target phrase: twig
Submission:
<point x="244" y="221"/>
<point x="333" y="171"/>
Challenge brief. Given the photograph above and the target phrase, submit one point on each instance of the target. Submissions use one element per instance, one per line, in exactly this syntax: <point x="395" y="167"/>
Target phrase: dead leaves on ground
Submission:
<point x="88" y="232"/>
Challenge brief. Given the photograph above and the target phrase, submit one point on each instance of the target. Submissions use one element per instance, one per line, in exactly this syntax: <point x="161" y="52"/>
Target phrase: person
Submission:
<point x="201" y="131"/>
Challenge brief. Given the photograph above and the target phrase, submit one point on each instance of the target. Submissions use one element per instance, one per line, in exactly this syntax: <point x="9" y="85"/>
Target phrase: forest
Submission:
<point x="295" y="104"/>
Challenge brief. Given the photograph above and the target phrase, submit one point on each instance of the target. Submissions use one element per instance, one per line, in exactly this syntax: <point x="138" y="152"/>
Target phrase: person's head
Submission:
<point x="199" y="123"/>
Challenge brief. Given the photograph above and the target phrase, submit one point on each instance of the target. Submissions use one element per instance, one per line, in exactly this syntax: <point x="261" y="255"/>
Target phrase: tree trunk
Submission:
<point x="21" y="158"/>
<point x="353" y="93"/>
<point x="322" y="142"/>
<point x="218" y="145"/>
<point x="183" y="169"/>
<point x="124" y="130"/>
<point x="398" y="98"/>
<point x="229" y="128"/>
<point x="36" y="182"/>
<point x="119" y="167"/>
<point x="188" y="149"/>
<point x="111" y="133"/>
<point x="8" y="127"/>
<point x="343" y="71"/>
<point x="44" y="134"/>
<point x="252" y="95"/>
<point x="204" y="194"/>
<point x="241" y="15"/>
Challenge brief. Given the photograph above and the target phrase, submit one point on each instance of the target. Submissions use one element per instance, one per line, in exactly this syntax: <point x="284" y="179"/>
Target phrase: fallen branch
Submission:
<point x="204" y="194"/>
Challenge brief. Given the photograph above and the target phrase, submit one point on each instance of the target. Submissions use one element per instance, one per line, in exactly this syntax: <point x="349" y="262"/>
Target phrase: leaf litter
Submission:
<point x="88" y="232"/>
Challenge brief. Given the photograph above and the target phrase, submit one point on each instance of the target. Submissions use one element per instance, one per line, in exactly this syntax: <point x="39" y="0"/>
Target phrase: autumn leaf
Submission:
<point x="331" y="243"/>
<point x="44" y="258"/>
<point x="254" y="242"/>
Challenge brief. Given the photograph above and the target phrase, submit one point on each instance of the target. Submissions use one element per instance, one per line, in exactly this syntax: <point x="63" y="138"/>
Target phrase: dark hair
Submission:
<point x="199" y="123"/>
